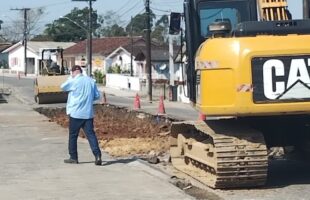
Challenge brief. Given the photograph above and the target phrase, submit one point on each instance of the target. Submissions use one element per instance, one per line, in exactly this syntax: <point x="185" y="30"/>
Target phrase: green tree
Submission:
<point x="110" y="25"/>
<point x="72" y="27"/>
<point x="41" y="38"/>
<point x="160" y="31"/>
<point x="14" y="30"/>
<point x="115" y="30"/>
<point x="137" y="24"/>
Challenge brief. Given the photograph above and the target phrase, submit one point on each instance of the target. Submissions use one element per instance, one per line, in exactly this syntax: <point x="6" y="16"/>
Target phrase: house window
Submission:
<point x="14" y="61"/>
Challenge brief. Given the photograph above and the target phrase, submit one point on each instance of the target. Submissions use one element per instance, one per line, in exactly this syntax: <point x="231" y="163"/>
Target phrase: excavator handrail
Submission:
<point x="251" y="28"/>
<point x="271" y="10"/>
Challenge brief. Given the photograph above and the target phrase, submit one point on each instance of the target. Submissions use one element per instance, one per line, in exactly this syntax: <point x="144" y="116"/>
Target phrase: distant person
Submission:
<point x="82" y="93"/>
<point x="84" y="70"/>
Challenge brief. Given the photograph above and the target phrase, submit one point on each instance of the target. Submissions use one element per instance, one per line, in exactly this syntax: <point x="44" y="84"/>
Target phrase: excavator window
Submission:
<point x="212" y="11"/>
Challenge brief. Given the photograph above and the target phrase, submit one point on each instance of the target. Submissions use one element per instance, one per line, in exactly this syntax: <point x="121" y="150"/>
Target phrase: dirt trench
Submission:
<point x="122" y="132"/>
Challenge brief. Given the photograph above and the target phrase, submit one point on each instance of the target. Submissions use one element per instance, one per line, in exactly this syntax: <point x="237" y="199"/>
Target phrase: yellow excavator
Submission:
<point x="248" y="65"/>
<point x="52" y="73"/>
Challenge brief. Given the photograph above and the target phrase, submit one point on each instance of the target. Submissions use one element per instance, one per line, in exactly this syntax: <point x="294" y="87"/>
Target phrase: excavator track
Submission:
<point x="219" y="153"/>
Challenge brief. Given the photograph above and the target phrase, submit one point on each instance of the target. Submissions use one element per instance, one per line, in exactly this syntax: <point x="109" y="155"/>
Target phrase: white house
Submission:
<point x="16" y="59"/>
<point x="124" y="56"/>
<point x="181" y="60"/>
<point x="101" y="49"/>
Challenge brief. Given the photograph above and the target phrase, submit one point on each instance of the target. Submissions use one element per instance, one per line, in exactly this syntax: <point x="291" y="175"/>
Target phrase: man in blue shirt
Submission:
<point x="82" y="93"/>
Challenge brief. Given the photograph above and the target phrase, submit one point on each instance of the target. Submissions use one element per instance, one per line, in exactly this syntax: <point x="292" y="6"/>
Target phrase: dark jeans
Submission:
<point x="74" y="128"/>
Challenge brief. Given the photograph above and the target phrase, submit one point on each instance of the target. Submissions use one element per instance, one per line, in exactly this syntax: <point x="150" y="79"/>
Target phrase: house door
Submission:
<point x="30" y="65"/>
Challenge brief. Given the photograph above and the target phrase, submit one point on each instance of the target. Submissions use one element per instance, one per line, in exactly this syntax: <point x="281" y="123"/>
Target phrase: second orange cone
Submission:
<point x="161" y="107"/>
<point x="202" y="117"/>
<point x="137" y="104"/>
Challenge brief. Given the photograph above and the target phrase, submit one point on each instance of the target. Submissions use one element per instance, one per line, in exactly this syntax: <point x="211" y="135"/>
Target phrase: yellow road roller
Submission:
<point x="52" y="74"/>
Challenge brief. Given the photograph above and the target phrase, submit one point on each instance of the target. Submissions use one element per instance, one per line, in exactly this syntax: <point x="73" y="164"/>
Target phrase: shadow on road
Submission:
<point x="2" y="99"/>
<point x="283" y="173"/>
<point x="119" y="161"/>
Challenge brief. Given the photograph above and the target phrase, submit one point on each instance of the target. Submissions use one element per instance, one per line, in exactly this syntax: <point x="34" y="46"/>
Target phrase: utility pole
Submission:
<point x="306" y="9"/>
<point x="131" y="57"/>
<point x="90" y="35"/>
<point x="148" y="49"/>
<point x="171" y="63"/>
<point x="90" y="42"/>
<point x="25" y="10"/>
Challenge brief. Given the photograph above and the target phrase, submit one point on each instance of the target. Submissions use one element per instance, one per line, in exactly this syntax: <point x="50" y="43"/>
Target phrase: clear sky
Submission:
<point x="56" y="8"/>
<point x="124" y="8"/>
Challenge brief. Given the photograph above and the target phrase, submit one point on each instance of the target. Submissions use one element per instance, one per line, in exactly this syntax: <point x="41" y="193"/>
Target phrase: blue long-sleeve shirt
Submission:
<point x="83" y="92"/>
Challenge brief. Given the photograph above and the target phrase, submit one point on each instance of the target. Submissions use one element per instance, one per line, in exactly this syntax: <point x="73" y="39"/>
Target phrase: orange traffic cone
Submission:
<point x="137" y="104"/>
<point x="104" y="98"/>
<point x="202" y="117"/>
<point x="161" y="107"/>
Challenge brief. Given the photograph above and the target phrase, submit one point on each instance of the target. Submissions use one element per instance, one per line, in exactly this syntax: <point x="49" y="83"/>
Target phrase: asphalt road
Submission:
<point x="288" y="178"/>
<point x="23" y="87"/>
<point x="32" y="168"/>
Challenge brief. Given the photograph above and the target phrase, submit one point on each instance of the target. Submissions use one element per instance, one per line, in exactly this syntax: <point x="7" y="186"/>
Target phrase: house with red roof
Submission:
<point x="128" y="53"/>
<point x="101" y="48"/>
<point x="16" y="59"/>
<point x="128" y="56"/>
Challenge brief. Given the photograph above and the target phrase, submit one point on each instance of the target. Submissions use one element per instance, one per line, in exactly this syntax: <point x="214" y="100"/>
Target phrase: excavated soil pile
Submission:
<point x="122" y="132"/>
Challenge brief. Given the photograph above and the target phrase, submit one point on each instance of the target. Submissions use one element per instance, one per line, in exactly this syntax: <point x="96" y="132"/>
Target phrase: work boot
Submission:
<point x="98" y="160"/>
<point x="71" y="161"/>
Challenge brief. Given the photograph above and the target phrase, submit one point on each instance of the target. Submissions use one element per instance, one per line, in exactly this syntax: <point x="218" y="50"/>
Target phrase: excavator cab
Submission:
<point x="52" y="73"/>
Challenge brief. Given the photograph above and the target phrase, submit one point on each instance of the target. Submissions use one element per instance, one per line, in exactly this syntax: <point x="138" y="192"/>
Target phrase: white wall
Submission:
<point x="118" y="81"/>
<point x="124" y="63"/>
<point x="16" y="59"/>
<point x="122" y="82"/>
<point x="179" y="75"/>
<point x="182" y="91"/>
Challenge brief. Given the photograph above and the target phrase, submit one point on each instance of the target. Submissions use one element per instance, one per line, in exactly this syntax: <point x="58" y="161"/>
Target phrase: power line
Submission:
<point x="54" y="4"/>
<point x="130" y="9"/>
<point x="123" y="6"/>
<point x="167" y="11"/>
<point x="127" y="21"/>
<point x="131" y="13"/>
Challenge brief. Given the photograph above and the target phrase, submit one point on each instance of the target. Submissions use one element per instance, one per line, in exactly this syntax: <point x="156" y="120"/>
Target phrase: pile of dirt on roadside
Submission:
<point x="122" y="132"/>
